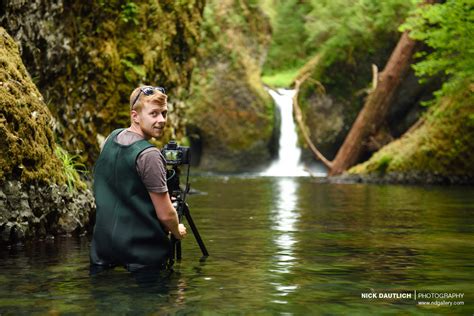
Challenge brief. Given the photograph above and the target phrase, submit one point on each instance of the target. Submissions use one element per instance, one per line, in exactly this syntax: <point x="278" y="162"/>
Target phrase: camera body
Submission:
<point x="176" y="155"/>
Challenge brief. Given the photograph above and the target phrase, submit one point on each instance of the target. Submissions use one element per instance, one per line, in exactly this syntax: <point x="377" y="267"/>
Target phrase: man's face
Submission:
<point x="151" y="118"/>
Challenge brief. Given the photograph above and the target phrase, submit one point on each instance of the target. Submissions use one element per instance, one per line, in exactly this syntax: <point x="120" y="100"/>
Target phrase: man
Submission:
<point x="134" y="211"/>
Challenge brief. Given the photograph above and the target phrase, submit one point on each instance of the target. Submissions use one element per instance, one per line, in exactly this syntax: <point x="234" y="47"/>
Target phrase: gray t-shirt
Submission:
<point x="151" y="165"/>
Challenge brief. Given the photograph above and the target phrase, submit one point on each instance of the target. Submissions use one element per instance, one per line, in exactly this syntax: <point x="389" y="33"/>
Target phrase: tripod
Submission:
<point x="182" y="208"/>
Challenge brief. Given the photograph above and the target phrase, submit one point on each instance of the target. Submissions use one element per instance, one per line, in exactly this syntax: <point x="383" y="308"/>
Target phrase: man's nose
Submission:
<point x="161" y="118"/>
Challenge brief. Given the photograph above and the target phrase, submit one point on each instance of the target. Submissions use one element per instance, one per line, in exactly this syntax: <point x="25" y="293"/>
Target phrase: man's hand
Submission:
<point x="167" y="215"/>
<point x="182" y="231"/>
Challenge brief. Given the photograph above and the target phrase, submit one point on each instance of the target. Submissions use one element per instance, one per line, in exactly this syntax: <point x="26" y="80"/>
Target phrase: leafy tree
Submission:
<point x="335" y="25"/>
<point x="287" y="49"/>
<point x="447" y="28"/>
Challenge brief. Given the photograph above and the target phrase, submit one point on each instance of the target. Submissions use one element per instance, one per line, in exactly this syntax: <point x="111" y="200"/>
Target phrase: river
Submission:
<point x="278" y="245"/>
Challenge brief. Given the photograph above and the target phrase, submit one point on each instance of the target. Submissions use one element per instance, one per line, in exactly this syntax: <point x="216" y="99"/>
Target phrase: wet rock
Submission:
<point x="41" y="210"/>
<point x="409" y="177"/>
<point x="34" y="199"/>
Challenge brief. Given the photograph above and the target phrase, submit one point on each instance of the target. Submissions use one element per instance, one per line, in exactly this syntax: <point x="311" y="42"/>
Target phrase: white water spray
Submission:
<point x="288" y="163"/>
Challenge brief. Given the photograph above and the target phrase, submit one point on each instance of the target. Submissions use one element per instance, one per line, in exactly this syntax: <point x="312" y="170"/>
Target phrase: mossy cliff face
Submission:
<point x="231" y="116"/>
<point x="34" y="200"/>
<point x="26" y="135"/>
<point x="440" y="150"/>
<point x="87" y="56"/>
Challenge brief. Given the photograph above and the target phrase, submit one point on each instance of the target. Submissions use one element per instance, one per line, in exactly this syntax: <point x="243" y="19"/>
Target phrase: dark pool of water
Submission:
<point x="277" y="246"/>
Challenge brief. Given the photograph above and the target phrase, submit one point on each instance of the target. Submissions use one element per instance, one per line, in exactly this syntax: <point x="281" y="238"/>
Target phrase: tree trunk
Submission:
<point x="375" y="109"/>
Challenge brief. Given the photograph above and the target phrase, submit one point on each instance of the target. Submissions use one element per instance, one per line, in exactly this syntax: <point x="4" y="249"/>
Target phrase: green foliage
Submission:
<point x="337" y="29"/>
<point x="71" y="168"/>
<point x="133" y="72"/>
<point x="287" y="49"/>
<point x="337" y="25"/>
<point x="129" y="12"/>
<point x="281" y="79"/>
<point x="350" y="36"/>
<point x="448" y="28"/>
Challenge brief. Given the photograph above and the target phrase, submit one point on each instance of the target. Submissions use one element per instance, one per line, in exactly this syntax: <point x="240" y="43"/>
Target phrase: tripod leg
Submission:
<point x="172" y="251"/>
<point x="178" y="249"/>
<point x="187" y="214"/>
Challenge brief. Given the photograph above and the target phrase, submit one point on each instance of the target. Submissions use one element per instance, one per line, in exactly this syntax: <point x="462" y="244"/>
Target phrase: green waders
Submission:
<point x="127" y="230"/>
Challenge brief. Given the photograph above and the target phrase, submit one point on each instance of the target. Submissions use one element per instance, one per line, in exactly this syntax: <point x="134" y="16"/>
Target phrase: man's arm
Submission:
<point x="166" y="214"/>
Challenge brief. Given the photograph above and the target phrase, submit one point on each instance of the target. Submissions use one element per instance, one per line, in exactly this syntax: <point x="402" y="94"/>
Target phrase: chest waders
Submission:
<point x="127" y="230"/>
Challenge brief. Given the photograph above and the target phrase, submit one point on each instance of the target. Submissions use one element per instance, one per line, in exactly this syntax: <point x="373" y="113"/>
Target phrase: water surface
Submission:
<point x="277" y="246"/>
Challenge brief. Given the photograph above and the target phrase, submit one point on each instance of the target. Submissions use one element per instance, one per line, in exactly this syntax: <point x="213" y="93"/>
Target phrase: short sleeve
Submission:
<point x="152" y="170"/>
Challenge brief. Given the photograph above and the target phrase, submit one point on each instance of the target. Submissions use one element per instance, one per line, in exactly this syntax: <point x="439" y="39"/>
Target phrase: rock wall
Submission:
<point x="231" y="115"/>
<point x="34" y="198"/>
<point x="87" y="56"/>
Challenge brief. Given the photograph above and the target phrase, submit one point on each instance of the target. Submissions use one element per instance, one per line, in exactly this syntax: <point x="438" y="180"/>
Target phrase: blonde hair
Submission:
<point x="157" y="97"/>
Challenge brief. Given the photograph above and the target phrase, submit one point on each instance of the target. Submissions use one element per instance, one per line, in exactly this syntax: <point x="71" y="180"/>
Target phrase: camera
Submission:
<point x="175" y="155"/>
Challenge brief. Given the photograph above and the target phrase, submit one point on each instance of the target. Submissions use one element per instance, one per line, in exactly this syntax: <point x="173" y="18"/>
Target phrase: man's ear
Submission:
<point x="135" y="117"/>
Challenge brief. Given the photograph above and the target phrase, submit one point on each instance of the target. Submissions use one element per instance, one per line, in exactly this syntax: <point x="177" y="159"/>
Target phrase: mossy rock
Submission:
<point x="440" y="150"/>
<point x="26" y="124"/>
<point x="34" y="199"/>
<point x="87" y="57"/>
<point x="231" y="115"/>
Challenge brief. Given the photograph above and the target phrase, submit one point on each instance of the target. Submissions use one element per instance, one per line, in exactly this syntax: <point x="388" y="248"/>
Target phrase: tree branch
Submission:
<point x="302" y="126"/>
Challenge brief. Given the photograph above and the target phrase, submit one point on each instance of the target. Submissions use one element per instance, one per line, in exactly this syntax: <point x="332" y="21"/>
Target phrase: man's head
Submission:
<point x="148" y="110"/>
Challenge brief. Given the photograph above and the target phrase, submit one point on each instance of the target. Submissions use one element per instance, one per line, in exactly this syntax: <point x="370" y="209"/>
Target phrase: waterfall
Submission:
<point x="288" y="163"/>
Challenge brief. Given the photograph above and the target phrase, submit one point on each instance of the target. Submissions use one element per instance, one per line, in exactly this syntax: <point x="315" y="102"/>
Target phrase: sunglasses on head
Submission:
<point x="147" y="90"/>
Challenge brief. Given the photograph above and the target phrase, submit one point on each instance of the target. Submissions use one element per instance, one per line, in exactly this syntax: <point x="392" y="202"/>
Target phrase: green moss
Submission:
<point x="384" y="162"/>
<point x="443" y="145"/>
<point x="26" y="135"/>
<point x="230" y="111"/>
<point x="112" y="47"/>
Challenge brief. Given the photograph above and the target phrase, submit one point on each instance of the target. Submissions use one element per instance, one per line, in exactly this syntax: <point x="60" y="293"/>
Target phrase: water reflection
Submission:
<point x="144" y="291"/>
<point x="285" y="217"/>
<point x="278" y="246"/>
